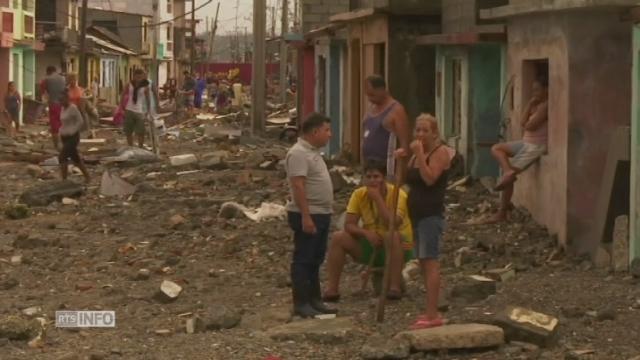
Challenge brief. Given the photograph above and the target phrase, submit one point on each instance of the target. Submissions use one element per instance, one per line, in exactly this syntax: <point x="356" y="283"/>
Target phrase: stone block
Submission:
<point x="459" y="336"/>
<point x="520" y="324"/>
<point x="620" y="248"/>
<point x="381" y="347"/>
<point x="330" y="331"/>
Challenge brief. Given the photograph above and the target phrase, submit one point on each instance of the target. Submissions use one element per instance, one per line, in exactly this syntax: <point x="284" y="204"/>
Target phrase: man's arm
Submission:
<point x="401" y="126"/>
<point x="147" y="99"/>
<point x="383" y="210"/>
<point x="439" y="163"/>
<point x="351" y="226"/>
<point x="538" y="118"/>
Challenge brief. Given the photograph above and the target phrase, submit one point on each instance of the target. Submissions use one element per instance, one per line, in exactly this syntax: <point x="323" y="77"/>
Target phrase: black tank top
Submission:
<point x="425" y="200"/>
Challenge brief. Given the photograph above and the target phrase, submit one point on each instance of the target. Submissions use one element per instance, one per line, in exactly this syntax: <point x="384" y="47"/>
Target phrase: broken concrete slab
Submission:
<point x="35" y="170"/>
<point x="473" y="289"/>
<point x="459" y="336"/>
<point x="381" y="347"/>
<point x="330" y="331"/>
<point x="132" y="155"/>
<point x="520" y="324"/>
<point x="620" y="247"/>
<point x="113" y="185"/>
<point x="602" y="258"/>
<point x="181" y="160"/>
<point x="44" y="194"/>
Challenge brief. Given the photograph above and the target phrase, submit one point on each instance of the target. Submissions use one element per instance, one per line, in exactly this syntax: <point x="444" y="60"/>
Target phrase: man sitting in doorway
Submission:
<point x="516" y="156"/>
<point x="372" y="204"/>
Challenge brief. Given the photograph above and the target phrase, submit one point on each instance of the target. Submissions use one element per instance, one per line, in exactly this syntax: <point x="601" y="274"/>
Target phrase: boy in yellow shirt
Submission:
<point x="371" y="204"/>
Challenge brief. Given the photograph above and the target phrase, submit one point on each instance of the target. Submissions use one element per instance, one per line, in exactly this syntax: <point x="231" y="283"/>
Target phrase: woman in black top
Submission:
<point x="427" y="181"/>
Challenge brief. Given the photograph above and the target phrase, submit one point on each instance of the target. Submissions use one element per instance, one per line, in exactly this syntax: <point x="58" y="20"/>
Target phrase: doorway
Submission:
<point x="355" y="93"/>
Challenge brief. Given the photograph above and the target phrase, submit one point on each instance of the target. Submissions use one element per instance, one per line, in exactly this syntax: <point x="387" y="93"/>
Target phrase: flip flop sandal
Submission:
<point x="423" y="323"/>
<point x="331" y="298"/>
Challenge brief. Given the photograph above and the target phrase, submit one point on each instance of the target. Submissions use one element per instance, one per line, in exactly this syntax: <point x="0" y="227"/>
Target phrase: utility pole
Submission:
<point x="258" y="84"/>
<point x="213" y="33"/>
<point x="154" y="42"/>
<point x="154" y="71"/>
<point x="83" y="45"/>
<point x="283" y="51"/>
<point x="193" y="36"/>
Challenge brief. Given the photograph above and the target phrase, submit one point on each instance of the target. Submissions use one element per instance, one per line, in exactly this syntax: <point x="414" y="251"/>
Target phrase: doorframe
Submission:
<point x="446" y="58"/>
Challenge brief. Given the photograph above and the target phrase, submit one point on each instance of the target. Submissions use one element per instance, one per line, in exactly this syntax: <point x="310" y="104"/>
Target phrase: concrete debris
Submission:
<point x="169" y="291"/>
<point x="132" y="155"/>
<point x="29" y="241"/>
<point x="46" y="193"/>
<point x="70" y="201"/>
<point x="32" y="311"/>
<point x="143" y="274"/>
<point x="602" y="258"/>
<point x="522" y="324"/>
<point x="448" y="337"/>
<point x="16" y="260"/>
<point x="113" y="185"/>
<point x="182" y="160"/>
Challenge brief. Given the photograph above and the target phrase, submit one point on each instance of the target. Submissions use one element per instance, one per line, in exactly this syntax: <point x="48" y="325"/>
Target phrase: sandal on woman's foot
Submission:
<point x="423" y="323"/>
<point x="331" y="298"/>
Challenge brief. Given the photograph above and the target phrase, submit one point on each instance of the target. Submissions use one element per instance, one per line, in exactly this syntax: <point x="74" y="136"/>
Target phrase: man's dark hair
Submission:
<point x="375" y="165"/>
<point x="377" y="81"/>
<point x="314" y="121"/>
<point x="138" y="72"/>
<point x="51" y="69"/>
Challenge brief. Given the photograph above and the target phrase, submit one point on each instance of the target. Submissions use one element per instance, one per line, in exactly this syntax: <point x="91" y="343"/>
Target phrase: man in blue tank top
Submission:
<point x="385" y="125"/>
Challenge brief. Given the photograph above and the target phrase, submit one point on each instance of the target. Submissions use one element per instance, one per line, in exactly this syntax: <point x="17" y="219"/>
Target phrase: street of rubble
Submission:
<point x="191" y="250"/>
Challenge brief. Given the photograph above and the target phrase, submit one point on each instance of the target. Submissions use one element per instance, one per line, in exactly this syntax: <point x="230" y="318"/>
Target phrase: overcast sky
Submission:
<point x="227" y="16"/>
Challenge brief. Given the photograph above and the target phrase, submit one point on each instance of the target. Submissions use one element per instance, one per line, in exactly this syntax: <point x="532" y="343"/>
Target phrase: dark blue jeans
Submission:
<point x="309" y="249"/>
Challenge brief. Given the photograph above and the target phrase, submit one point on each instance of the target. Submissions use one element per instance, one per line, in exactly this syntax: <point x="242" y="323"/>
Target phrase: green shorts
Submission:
<point x="134" y="123"/>
<point x="367" y="252"/>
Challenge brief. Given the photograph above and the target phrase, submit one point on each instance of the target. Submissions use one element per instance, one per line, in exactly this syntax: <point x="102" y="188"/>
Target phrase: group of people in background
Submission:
<point x="424" y="161"/>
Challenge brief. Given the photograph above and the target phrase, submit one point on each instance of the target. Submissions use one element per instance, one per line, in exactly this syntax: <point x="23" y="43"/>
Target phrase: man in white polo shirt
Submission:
<point x="309" y="214"/>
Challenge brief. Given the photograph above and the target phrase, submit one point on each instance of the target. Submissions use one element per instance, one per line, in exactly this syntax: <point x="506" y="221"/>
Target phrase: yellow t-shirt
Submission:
<point x="362" y="206"/>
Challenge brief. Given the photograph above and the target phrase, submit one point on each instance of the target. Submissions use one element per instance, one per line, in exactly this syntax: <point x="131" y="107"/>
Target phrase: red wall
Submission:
<point x="245" y="70"/>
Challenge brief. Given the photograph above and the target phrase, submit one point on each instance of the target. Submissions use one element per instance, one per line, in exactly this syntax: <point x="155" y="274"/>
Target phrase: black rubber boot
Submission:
<point x="301" y="305"/>
<point x="316" y="299"/>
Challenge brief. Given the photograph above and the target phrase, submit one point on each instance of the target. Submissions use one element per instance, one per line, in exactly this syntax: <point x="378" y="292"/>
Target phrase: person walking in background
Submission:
<point x="71" y="125"/>
<point x="12" y="105"/>
<point x="74" y="91"/>
<point x="53" y="86"/>
<point x="201" y="86"/>
<point x="427" y="176"/>
<point x="137" y="102"/>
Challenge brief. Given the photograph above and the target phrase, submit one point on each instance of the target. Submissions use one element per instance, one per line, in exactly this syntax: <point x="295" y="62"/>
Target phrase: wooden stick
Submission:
<point x="400" y="166"/>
